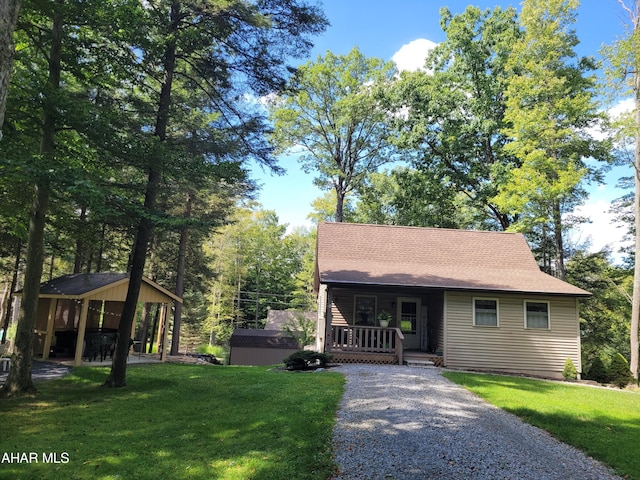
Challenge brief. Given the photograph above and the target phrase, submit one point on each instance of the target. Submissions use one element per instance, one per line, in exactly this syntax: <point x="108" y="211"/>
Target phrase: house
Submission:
<point x="467" y="299"/>
<point x="77" y="310"/>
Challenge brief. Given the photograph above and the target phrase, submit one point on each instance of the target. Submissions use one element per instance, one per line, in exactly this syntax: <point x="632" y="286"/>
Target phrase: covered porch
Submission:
<point x="352" y="325"/>
<point x="78" y="316"/>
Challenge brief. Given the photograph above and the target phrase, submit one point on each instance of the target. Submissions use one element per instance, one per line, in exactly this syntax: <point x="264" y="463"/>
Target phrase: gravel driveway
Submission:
<point x="398" y="422"/>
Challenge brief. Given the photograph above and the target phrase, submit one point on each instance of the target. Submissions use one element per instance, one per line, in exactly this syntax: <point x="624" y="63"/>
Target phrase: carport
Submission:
<point x="74" y="306"/>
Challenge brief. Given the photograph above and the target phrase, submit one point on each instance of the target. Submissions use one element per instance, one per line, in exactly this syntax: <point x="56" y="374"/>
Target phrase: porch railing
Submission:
<point x="366" y="340"/>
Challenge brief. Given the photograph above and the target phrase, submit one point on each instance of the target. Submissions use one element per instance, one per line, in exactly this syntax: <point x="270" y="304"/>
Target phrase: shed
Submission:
<point x="72" y="306"/>
<point x="279" y="319"/>
<point x="249" y="346"/>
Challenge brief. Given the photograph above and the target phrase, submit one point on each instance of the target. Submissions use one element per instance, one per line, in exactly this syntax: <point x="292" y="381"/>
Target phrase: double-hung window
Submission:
<point x="364" y="310"/>
<point x="485" y="312"/>
<point x="536" y="314"/>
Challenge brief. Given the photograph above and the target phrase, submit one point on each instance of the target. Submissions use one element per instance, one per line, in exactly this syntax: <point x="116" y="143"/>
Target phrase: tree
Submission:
<point x="550" y="107"/>
<point x="624" y="69"/>
<point x="257" y="267"/>
<point x="332" y="111"/>
<point x="19" y="379"/>
<point x="406" y="196"/>
<point x="217" y="52"/>
<point x="451" y="116"/>
<point x="604" y="326"/>
<point x="9" y="10"/>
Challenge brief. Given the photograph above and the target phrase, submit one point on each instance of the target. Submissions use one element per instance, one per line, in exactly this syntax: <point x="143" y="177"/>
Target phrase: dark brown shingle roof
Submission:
<point x="431" y="257"/>
<point x="78" y="284"/>
<point x="257" y="338"/>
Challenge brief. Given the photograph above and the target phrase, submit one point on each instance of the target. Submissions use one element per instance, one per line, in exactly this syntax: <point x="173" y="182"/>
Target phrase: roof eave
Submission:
<point x="344" y="283"/>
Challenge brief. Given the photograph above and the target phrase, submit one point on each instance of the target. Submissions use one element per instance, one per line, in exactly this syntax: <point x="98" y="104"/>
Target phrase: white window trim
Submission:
<point x="473" y="308"/>
<point x="375" y="307"/>
<point x="526" y="324"/>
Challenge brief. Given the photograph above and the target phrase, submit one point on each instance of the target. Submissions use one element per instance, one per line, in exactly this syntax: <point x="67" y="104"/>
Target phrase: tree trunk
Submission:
<point x="339" y="204"/>
<point x="182" y="253"/>
<point x="635" y="305"/>
<point x="19" y="379"/>
<point x="561" y="271"/>
<point x="117" y="376"/>
<point x="14" y="285"/>
<point x="80" y="247"/>
<point x="9" y="10"/>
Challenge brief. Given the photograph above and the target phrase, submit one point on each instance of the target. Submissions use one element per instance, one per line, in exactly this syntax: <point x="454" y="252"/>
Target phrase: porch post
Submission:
<point x="82" y="327"/>
<point x="53" y="303"/>
<point x="321" y="320"/>
<point x="328" y="319"/>
<point x="164" y="314"/>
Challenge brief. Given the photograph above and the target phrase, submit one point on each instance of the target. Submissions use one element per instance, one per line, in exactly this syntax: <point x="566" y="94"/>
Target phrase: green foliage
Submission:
<point x="306" y="359"/>
<point x="451" y="117"/>
<point x="258" y="266"/>
<point x="569" y="371"/>
<point x="551" y="103"/>
<point x="302" y="329"/>
<point x="170" y="414"/>
<point x="619" y="371"/>
<point x="598" y="371"/>
<point x="333" y="112"/>
<point x="412" y="197"/>
<point x="604" y="317"/>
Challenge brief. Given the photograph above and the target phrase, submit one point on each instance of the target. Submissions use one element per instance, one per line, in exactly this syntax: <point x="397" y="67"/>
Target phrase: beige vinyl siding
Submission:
<point x="511" y="347"/>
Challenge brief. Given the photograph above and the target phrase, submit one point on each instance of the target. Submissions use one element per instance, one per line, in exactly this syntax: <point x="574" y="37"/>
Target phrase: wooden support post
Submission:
<point x="53" y="303"/>
<point x="82" y="327"/>
<point x="164" y="314"/>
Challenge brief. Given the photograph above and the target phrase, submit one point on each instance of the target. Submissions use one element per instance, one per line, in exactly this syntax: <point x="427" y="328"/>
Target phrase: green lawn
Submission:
<point x="603" y="423"/>
<point x="175" y="421"/>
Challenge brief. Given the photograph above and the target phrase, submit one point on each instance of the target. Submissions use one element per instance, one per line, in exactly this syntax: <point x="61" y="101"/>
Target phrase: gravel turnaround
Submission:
<point x="397" y="422"/>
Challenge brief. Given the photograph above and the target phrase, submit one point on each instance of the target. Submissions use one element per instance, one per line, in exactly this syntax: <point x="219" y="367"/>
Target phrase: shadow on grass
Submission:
<point x="177" y="421"/>
<point x="603" y="423"/>
<point x="605" y="438"/>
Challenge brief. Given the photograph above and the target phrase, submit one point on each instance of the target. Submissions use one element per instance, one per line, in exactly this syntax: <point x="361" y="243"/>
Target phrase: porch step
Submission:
<point x="419" y="363"/>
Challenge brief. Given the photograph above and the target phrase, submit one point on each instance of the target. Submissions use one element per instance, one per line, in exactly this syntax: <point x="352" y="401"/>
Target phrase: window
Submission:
<point x="364" y="310"/>
<point x="408" y="316"/>
<point x="536" y="314"/>
<point x="485" y="312"/>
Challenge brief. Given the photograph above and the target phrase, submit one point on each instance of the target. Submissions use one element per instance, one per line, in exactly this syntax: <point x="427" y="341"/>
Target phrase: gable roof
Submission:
<point x="350" y="253"/>
<point x="80" y="285"/>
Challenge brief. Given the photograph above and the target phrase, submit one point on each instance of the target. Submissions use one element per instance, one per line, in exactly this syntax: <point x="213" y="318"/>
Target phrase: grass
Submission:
<point x="178" y="422"/>
<point x="603" y="423"/>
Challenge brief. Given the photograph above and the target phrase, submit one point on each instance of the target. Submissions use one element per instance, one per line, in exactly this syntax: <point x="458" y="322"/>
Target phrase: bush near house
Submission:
<point x="598" y="371"/>
<point x="619" y="371"/>
<point x="306" y="359"/>
<point x="569" y="372"/>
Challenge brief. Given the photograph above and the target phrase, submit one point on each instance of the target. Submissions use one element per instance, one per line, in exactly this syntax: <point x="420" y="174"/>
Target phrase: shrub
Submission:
<point x="619" y="371"/>
<point x="569" y="372"/>
<point x="598" y="371"/>
<point x="306" y="359"/>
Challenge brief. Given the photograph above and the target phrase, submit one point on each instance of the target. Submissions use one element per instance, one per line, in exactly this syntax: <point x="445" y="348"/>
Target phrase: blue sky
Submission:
<point x="381" y="28"/>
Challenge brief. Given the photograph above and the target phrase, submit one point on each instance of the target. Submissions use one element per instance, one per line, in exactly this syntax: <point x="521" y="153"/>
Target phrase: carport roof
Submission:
<point x="80" y="285"/>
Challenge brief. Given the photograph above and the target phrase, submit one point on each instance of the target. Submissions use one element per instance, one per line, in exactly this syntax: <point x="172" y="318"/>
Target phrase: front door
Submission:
<point x="409" y="320"/>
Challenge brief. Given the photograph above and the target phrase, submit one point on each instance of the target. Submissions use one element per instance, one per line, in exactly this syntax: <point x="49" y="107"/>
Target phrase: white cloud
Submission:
<point x="602" y="232"/>
<point x="621" y="107"/>
<point x="412" y="55"/>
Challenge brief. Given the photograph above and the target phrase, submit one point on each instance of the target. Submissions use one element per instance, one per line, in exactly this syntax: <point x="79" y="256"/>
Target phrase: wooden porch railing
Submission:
<point x="366" y="340"/>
